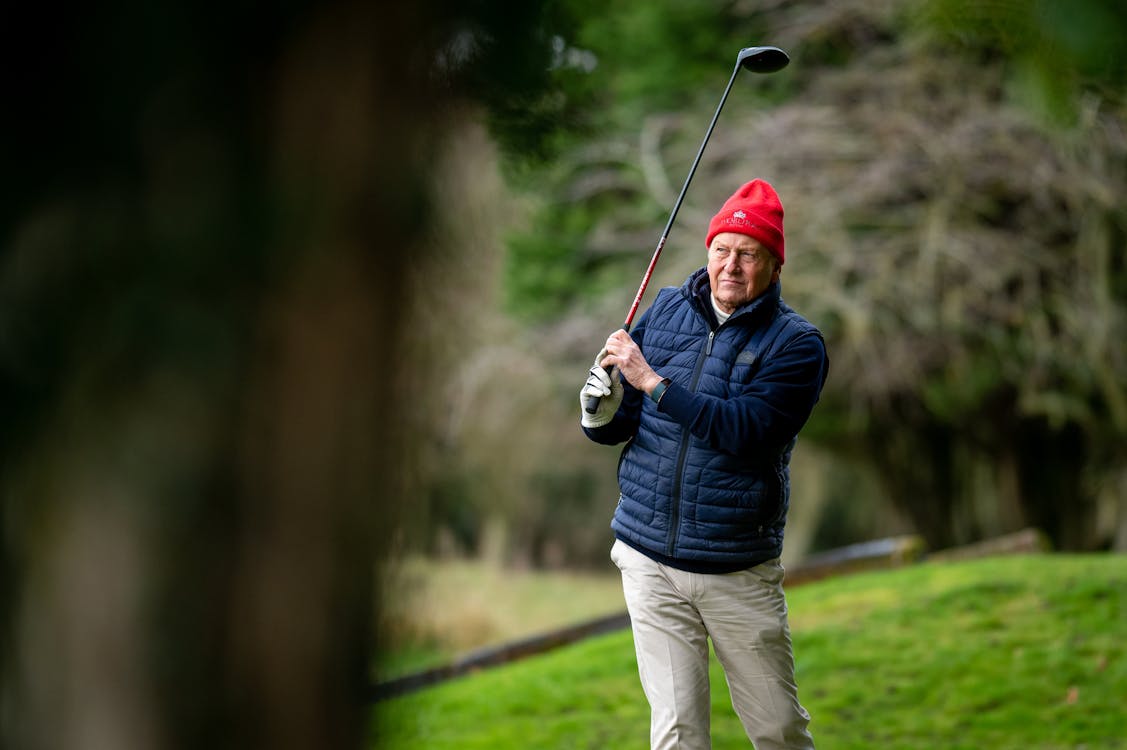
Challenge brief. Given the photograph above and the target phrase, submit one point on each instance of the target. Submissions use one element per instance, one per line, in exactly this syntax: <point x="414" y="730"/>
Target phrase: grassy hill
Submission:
<point x="1019" y="652"/>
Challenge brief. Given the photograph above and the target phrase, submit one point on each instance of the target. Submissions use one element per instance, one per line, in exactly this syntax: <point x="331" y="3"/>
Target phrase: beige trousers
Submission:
<point x="674" y="613"/>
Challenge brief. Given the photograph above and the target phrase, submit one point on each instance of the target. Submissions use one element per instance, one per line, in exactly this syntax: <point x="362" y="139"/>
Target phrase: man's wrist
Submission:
<point x="651" y="382"/>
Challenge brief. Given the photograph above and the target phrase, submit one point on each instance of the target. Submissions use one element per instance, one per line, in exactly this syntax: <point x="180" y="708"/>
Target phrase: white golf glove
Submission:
<point x="607" y="387"/>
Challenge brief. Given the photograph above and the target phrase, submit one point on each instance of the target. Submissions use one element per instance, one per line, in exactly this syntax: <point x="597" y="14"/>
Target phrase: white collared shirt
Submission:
<point x="721" y="316"/>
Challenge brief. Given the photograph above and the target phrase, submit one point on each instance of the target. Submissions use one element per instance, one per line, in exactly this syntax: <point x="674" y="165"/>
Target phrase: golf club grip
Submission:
<point x="592" y="404"/>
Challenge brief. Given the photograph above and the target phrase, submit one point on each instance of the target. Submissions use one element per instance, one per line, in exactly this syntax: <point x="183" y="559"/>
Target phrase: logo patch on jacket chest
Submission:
<point x="747" y="357"/>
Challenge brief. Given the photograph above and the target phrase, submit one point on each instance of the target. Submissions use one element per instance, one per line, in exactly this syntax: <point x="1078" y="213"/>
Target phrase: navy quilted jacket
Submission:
<point x="704" y="480"/>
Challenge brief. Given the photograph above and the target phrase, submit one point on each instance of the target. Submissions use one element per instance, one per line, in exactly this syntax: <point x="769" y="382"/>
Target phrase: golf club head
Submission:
<point x="762" y="59"/>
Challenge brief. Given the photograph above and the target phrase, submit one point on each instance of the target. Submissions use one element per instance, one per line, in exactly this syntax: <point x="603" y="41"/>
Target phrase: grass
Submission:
<point x="1019" y="652"/>
<point x="442" y="609"/>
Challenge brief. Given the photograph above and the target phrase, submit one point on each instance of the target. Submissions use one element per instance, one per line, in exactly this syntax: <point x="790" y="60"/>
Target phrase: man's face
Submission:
<point x="739" y="270"/>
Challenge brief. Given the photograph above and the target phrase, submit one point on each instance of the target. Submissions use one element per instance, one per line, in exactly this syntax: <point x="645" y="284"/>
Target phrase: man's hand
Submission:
<point x="623" y="353"/>
<point x="607" y="387"/>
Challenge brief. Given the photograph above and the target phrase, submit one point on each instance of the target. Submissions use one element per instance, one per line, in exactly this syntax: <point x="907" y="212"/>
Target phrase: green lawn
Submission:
<point x="437" y="611"/>
<point x="1015" y="652"/>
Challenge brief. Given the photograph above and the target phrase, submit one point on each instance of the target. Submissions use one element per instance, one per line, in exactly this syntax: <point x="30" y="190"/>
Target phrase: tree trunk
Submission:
<point x="915" y="466"/>
<point x="1054" y="493"/>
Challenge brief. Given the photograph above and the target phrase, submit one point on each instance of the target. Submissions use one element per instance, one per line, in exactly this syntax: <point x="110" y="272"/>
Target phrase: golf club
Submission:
<point x="755" y="59"/>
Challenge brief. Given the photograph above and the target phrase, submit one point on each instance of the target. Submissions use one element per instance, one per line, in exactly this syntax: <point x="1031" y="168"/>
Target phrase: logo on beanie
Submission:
<point x="739" y="218"/>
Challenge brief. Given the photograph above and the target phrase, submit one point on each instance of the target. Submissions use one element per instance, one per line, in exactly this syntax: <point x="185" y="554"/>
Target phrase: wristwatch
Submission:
<point x="659" y="390"/>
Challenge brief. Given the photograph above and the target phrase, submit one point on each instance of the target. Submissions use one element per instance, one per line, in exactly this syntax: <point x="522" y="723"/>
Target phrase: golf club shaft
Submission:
<point x="677" y="205"/>
<point x="593" y="401"/>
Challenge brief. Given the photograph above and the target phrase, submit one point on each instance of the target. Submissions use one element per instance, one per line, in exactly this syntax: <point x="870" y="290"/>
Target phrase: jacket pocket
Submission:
<point x="774" y="505"/>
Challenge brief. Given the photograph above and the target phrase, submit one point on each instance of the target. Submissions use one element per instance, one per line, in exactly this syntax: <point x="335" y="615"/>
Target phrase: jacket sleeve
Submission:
<point x="769" y="414"/>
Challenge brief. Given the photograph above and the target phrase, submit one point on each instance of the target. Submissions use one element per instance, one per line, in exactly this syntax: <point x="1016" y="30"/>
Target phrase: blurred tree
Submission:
<point x="983" y="277"/>
<point x="208" y="229"/>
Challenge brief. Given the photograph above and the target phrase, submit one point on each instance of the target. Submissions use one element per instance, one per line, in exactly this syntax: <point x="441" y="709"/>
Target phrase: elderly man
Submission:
<point x="710" y="391"/>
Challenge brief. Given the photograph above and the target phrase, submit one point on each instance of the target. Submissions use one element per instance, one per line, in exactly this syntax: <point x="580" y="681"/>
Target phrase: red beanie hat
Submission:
<point x="754" y="210"/>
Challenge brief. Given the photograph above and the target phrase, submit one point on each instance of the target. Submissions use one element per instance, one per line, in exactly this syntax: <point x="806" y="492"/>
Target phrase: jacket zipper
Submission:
<point x="686" y="436"/>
